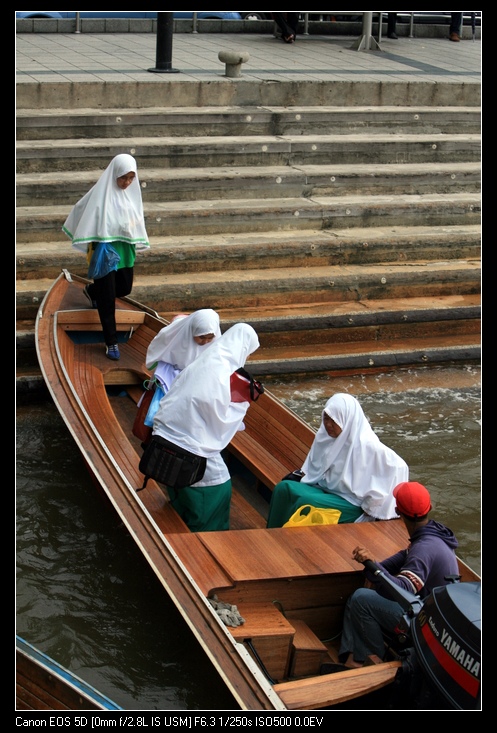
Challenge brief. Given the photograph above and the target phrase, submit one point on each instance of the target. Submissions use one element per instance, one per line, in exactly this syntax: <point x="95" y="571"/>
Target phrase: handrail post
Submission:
<point x="194" y="26"/>
<point x="411" y="25"/>
<point x="78" y="22"/>
<point x="164" y="45"/>
<point x="366" y="41"/>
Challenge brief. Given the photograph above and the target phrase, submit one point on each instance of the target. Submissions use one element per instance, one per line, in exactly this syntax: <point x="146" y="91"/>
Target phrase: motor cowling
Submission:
<point x="446" y="634"/>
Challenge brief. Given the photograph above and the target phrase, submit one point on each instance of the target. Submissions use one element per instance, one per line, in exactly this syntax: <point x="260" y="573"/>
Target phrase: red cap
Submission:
<point x="412" y="499"/>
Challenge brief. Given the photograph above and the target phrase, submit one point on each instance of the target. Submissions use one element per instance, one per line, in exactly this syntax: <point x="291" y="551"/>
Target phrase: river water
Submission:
<point x="87" y="598"/>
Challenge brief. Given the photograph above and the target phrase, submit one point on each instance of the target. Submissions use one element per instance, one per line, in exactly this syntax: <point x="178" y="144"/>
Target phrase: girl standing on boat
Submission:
<point x="107" y="224"/>
<point x="197" y="414"/>
<point x="177" y="345"/>
<point x="347" y="468"/>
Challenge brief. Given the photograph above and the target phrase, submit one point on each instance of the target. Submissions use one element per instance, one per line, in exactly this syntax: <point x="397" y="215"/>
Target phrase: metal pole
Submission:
<point x="411" y="25"/>
<point x="194" y="26"/>
<point x="78" y="22"/>
<point x="366" y="41"/>
<point x="164" y="45"/>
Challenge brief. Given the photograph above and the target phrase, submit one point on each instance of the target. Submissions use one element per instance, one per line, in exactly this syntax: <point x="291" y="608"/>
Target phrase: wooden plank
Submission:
<point x="274" y="441"/>
<point x="200" y="563"/>
<point x="80" y="320"/>
<point x="314" y="693"/>
<point x="243" y="515"/>
<point x="293" y="552"/>
<point x="269" y="633"/>
<point x="307" y="653"/>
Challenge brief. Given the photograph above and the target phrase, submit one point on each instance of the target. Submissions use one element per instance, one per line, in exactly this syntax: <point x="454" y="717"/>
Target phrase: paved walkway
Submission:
<point x="110" y="57"/>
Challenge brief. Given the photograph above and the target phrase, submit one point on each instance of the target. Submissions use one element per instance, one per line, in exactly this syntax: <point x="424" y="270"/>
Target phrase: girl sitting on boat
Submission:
<point x="347" y="468"/>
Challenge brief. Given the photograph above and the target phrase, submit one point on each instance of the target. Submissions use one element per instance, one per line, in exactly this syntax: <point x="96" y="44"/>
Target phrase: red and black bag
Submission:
<point x="139" y="429"/>
<point x="244" y="388"/>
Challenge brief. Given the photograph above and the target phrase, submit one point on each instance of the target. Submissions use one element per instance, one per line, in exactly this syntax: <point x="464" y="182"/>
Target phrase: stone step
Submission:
<point x="35" y="124"/>
<point x="41" y="156"/>
<point x="348" y="236"/>
<point x="184" y="184"/>
<point x="283" y="287"/>
<point x="38" y="223"/>
<point x="67" y="95"/>
<point x="263" y="250"/>
<point x="352" y="336"/>
<point x="361" y="358"/>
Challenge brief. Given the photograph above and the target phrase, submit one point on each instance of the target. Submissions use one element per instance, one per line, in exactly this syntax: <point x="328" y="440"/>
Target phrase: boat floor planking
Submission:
<point x="299" y="576"/>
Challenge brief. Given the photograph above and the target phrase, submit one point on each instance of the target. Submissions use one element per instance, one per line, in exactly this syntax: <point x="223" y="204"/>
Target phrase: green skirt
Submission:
<point x="288" y="496"/>
<point x="203" y="508"/>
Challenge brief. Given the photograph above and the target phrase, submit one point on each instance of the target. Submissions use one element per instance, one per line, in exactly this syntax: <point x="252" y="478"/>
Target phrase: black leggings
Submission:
<point x="287" y="23"/>
<point x="104" y="291"/>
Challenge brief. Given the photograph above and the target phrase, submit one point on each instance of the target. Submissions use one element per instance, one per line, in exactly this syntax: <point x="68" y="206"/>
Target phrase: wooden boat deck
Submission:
<point x="284" y="553"/>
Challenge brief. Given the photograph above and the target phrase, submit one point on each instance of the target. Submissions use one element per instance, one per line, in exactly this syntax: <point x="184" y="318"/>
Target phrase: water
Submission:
<point x="86" y="597"/>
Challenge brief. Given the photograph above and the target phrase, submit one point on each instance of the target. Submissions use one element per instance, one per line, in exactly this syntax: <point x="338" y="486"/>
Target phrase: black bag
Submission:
<point x="293" y="476"/>
<point x="168" y="464"/>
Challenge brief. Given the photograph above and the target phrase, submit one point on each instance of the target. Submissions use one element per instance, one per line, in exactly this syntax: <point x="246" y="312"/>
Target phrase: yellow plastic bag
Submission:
<point x="308" y="515"/>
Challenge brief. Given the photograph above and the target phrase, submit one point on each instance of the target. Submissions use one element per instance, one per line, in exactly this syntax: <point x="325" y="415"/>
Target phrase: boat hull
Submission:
<point x="265" y="665"/>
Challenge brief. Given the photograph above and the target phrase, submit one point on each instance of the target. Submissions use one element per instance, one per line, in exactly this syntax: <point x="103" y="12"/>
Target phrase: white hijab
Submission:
<point x="356" y="465"/>
<point x="197" y="413"/>
<point x="107" y="213"/>
<point x="174" y="344"/>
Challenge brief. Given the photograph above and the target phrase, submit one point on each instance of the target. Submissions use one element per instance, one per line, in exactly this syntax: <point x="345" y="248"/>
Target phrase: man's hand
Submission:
<point x="361" y="554"/>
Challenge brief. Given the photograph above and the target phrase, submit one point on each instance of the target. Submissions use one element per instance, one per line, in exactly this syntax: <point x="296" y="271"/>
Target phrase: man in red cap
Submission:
<point x="425" y="564"/>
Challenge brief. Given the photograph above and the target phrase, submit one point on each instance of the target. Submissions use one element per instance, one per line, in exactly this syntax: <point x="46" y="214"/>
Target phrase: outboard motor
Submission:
<point x="441" y="637"/>
<point x="447" y="640"/>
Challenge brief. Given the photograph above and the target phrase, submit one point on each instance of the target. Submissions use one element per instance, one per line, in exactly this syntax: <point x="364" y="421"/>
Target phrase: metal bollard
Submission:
<point x="233" y="61"/>
<point x="164" y="45"/>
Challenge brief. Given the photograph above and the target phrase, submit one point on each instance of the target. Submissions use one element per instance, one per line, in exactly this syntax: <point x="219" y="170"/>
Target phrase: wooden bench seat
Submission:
<point x="274" y="441"/>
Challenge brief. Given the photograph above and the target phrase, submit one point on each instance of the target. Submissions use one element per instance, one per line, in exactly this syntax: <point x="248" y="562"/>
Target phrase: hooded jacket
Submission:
<point x="424" y="565"/>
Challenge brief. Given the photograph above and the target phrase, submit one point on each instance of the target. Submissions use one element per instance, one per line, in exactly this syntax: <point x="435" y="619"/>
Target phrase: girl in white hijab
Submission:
<point x="107" y="224"/>
<point x="197" y="414"/>
<point x="177" y="345"/>
<point x="347" y="468"/>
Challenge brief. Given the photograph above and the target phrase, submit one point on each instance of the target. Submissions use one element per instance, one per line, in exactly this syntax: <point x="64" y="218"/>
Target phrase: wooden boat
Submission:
<point x="289" y="584"/>
<point x="43" y="684"/>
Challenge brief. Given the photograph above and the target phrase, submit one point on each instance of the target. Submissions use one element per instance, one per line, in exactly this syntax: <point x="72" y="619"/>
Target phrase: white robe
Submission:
<point x="175" y="345"/>
<point x="197" y="413"/>
<point x="356" y="465"/>
<point x="107" y="213"/>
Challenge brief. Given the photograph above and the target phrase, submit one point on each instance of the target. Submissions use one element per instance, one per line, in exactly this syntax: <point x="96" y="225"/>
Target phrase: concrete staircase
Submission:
<point x="348" y="236"/>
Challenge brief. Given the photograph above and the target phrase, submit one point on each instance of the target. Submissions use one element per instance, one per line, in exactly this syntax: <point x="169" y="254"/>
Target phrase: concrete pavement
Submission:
<point x="126" y="57"/>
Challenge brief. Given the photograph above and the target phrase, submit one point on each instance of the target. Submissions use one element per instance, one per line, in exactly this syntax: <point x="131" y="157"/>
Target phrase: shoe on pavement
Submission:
<point x="112" y="352"/>
<point x="454" y="37"/>
<point x="393" y="35"/>
<point x="93" y="302"/>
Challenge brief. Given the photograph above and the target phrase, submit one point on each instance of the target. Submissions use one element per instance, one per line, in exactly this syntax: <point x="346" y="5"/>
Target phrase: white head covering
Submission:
<point x="174" y="343"/>
<point x="356" y="465"/>
<point x="197" y="413"/>
<point x="108" y="213"/>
